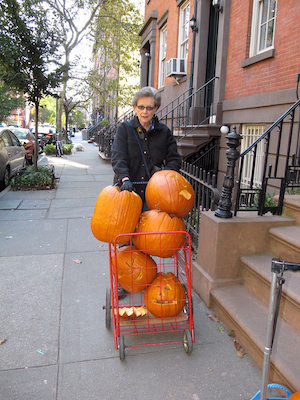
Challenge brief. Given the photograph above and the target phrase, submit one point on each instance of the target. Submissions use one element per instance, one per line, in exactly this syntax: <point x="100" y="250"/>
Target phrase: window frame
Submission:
<point x="162" y="56"/>
<point x="257" y="24"/>
<point x="184" y="26"/>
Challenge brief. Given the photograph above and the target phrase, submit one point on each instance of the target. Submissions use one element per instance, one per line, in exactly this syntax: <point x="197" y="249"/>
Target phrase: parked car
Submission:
<point x="28" y="141"/>
<point x="12" y="155"/>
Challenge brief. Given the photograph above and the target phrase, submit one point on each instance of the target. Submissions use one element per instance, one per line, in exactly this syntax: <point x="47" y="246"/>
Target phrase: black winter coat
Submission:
<point x="126" y="159"/>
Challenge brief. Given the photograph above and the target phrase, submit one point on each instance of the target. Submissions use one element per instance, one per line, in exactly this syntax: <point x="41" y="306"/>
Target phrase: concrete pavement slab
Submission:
<point x="160" y="375"/>
<point x="9" y="204"/>
<point x="79" y="202"/>
<point x="29" y="384"/>
<point x="80" y="237"/>
<point x="71" y="212"/>
<point x="30" y="288"/>
<point x="34" y="204"/>
<point x="83" y="335"/>
<point x="38" y="237"/>
<point x="22" y="215"/>
<point x="75" y="193"/>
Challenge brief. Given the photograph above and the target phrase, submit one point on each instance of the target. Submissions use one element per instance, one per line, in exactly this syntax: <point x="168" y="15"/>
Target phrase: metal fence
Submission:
<point x="206" y="197"/>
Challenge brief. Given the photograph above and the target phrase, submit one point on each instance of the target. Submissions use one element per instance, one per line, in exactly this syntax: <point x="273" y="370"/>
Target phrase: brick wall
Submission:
<point x="172" y="31"/>
<point x="273" y="74"/>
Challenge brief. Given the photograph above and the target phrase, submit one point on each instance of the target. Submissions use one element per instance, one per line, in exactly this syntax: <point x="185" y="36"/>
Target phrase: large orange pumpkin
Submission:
<point x="165" y="297"/>
<point x="115" y="213"/>
<point x="135" y="269"/>
<point x="159" y="244"/>
<point x="295" y="396"/>
<point x="169" y="191"/>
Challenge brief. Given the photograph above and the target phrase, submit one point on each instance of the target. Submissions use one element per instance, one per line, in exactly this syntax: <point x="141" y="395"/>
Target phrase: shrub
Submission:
<point x="67" y="149"/>
<point x="50" y="149"/>
<point x="43" y="178"/>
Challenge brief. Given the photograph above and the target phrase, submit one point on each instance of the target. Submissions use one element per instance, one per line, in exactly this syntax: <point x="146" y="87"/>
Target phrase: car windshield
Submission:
<point x="20" y="134"/>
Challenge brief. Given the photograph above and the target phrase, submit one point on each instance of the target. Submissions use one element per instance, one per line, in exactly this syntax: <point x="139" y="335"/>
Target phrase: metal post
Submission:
<point x="268" y="347"/>
<point x="232" y="154"/>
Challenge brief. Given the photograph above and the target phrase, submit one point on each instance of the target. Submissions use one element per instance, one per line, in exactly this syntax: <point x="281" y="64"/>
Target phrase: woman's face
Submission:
<point x="145" y="110"/>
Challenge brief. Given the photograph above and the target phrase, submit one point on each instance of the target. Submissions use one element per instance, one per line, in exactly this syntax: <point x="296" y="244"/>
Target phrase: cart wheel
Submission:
<point x="186" y="308"/>
<point x="121" y="348"/>
<point x="108" y="309"/>
<point x="187" y="342"/>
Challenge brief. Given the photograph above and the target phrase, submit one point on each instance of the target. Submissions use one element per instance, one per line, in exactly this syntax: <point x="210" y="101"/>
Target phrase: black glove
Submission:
<point x="127" y="185"/>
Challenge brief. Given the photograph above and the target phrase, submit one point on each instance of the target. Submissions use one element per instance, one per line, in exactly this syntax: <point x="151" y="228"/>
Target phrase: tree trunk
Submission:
<point x="36" y="123"/>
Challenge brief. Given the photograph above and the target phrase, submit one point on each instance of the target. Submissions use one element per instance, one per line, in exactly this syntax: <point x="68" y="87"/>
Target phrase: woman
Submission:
<point x="143" y="145"/>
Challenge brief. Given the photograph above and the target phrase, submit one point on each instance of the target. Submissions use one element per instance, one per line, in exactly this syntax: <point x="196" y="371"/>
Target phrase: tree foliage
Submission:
<point x="9" y="101"/>
<point x="116" y="52"/>
<point x="27" y="48"/>
<point x="28" y="51"/>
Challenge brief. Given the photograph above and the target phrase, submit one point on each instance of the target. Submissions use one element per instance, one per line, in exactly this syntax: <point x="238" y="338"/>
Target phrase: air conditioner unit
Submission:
<point x="176" y="67"/>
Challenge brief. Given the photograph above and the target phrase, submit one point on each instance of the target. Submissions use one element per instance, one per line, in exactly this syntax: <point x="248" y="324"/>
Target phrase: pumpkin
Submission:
<point x="171" y="192"/>
<point x="135" y="269"/>
<point x="295" y="396"/>
<point x="115" y="213"/>
<point x="165" y="297"/>
<point x="159" y="244"/>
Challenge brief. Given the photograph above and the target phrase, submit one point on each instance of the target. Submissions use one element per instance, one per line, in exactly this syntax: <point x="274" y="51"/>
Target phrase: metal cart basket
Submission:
<point x="130" y="316"/>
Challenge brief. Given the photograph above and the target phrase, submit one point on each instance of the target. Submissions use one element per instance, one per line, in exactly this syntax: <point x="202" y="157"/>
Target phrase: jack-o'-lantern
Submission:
<point x="165" y="297"/>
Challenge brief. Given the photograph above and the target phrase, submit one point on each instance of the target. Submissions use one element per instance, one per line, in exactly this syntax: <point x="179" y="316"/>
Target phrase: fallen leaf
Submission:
<point x="240" y="353"/>
<point x="77" y="261"/>
<point x="2" y="341"/>
<point x="213" y="317"/>
<point x="221" y="329"/>
<point x="237" y="345"/>
<point x="231" y="333"/>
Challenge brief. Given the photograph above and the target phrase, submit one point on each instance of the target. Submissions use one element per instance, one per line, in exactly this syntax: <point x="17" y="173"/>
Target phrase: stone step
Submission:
<point x="257" y="276"/>
<point x="244" y="313"/>
<point x="285" y="242"/>
<point x="291" y="207"/>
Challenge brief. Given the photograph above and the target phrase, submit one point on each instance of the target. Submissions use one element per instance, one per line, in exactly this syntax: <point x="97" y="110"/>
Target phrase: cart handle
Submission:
<point x="279" y="266"/>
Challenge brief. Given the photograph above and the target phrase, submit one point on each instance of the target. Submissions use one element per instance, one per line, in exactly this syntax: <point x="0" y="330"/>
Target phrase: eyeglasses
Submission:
<point x="148" y="108"/>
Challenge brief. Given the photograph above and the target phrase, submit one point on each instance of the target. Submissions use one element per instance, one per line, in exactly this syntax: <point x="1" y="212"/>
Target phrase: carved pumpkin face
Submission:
<point x="165" y="297"/>
<point x="159" y="244"/>
<point x="169" y="191"/>
<point x="136" y="270"/>
<point x="115" y="213"/>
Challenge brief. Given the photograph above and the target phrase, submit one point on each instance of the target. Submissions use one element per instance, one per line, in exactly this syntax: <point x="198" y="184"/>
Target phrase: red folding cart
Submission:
<point x="133" y="315"/>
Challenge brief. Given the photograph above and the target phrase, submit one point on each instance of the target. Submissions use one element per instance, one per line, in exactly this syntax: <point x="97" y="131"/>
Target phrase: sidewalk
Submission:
<point x="53" y="279"/>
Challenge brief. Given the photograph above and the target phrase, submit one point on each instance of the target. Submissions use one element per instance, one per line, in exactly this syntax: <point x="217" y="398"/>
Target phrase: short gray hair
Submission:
<point x="147" y="91"/>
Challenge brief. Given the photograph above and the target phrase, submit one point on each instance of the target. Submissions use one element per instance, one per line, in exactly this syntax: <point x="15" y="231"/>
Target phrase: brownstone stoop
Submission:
<point x="233" y="277"/>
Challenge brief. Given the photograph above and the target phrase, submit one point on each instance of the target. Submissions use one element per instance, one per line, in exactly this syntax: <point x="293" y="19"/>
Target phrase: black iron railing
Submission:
<point x="188" y="111"/>
<point x="277" y="170"/>
<point x="206" y="197"/>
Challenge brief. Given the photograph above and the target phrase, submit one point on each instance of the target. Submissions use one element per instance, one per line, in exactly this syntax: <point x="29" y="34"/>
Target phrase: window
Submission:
<point x="162" y="57"/>
<point x="250" y="133"/>
<point x="184" y="25"/>
<point x="263" y="26"/>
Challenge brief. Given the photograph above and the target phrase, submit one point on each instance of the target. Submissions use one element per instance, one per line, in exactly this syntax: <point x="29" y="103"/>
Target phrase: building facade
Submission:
<point x="250" y="49"/>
